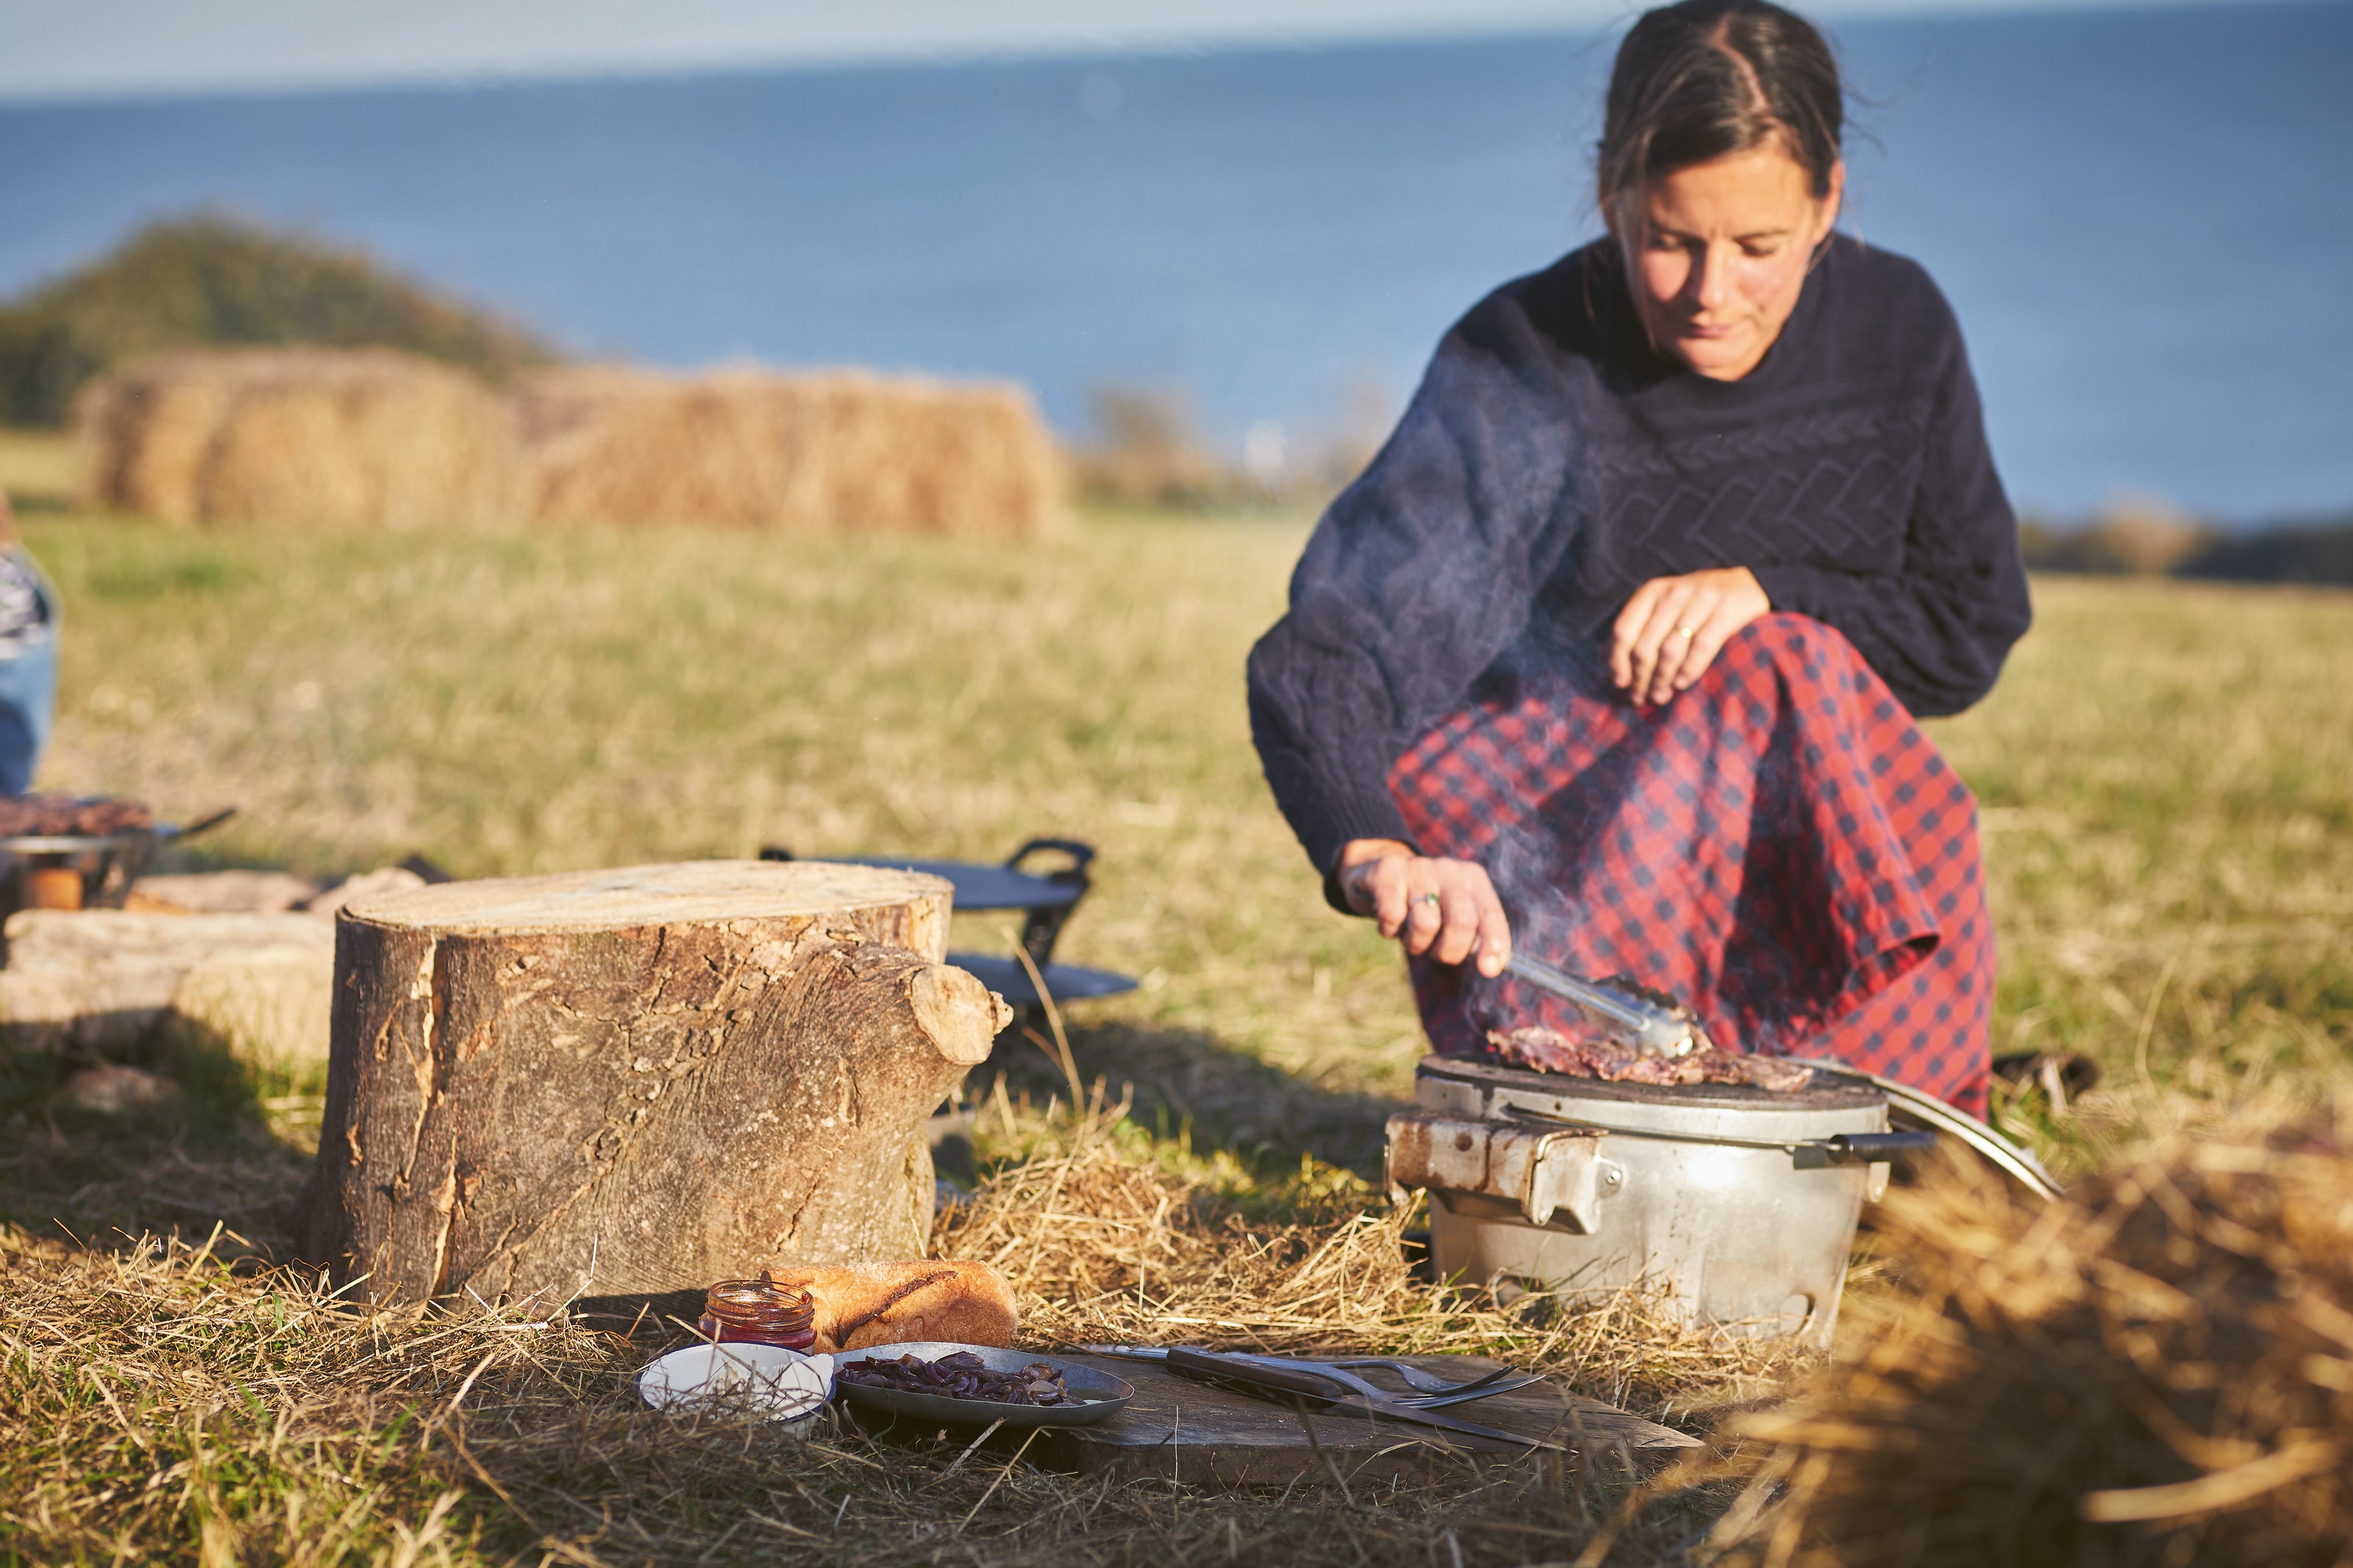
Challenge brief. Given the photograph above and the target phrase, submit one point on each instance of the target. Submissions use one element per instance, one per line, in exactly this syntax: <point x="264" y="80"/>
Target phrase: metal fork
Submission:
<point x="1429" y="1399"/>
<point x="1434" y="1391"/>
<point x="1422" y="1382"/>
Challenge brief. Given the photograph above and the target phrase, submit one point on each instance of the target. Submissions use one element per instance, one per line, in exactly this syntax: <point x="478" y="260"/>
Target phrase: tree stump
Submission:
<point x="636" y="1081"/>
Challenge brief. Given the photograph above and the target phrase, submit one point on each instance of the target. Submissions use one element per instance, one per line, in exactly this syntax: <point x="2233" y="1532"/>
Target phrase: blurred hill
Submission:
<point x="1148" y="449"/>
<point x="2320" y="554"/>
<point x="2144" y="538"/>
<point x="210" y="281"/>
<point x="2138" y="536"/>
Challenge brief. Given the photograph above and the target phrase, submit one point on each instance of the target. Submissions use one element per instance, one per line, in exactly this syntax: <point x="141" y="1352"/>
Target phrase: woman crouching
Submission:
<point x="1616" y="649"/>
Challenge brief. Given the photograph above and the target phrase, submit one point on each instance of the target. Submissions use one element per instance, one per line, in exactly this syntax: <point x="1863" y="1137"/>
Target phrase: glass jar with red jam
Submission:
<point x="759" y="1312"/>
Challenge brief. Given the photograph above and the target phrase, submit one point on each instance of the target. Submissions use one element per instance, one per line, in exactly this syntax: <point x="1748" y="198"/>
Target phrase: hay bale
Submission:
<point x="831" y="452"/>
<point x="2159" y="1372"/>
<point x="352" y="437"/>
<point x="376" y="438"/>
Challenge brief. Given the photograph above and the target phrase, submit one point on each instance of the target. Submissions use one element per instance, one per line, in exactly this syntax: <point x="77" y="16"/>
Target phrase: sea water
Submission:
<point x="2144" y="216"/>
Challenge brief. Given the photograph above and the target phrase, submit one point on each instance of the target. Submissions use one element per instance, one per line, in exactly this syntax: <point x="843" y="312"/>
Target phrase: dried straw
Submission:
<point x="358" y="437"/>
<point x="834" y="452"/>
<point x="2159" y="1373"/>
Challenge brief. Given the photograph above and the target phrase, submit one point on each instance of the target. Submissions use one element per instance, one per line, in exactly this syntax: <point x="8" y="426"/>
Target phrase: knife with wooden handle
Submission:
<point x="1301" y="1388"/>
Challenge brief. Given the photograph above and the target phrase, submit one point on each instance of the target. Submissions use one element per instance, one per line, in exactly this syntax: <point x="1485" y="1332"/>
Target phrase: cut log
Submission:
<point x="101" y="980"/>
<point x="227" y="892"/>
<point x="636" y="1081"/>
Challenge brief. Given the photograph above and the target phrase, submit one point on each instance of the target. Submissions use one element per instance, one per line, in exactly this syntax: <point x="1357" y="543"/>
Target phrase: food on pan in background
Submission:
<point x="894" y="1303"/>
<point x="66" y="815"/>
<point x="755" y="1311"/>
<point x="1597" y="1056"/>
<point x="961" y="1376"/>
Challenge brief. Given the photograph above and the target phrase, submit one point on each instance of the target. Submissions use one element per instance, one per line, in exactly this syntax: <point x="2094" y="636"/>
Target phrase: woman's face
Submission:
<point x="1717" y="252"/>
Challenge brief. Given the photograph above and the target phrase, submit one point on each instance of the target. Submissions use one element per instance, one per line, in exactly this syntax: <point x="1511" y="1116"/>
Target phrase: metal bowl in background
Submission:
<point x="107" y="863"/>
<point x="107" y="866"/>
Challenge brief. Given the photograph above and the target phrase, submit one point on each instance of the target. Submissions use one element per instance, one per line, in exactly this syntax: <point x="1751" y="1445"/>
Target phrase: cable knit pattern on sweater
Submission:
<point x="1551" y="463"/>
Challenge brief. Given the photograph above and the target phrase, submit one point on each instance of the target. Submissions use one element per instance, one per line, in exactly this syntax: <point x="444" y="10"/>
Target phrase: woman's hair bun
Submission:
<point x="1706" y="79"/>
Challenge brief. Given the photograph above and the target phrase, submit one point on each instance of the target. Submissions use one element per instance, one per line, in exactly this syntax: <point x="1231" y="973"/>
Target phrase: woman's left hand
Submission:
<point x="1673" y="628"/>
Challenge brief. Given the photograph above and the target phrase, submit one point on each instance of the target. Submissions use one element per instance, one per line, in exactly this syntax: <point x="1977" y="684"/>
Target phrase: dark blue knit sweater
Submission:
<point x="1552" y="462"/>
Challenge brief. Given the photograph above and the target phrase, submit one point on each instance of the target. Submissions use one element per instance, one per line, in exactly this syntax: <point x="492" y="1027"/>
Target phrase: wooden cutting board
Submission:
<point x="1178" y="1430"/>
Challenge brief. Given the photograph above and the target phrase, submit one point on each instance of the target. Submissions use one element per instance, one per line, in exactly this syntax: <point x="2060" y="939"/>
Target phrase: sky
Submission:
<point x="53" y="49"/>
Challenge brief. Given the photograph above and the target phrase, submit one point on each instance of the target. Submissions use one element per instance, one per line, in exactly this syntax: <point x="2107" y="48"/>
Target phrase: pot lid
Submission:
<point x="1711" y="1110"/>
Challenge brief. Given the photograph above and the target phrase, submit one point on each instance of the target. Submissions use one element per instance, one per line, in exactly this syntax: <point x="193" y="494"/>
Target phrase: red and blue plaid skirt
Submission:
<point x="1778" y="846"/>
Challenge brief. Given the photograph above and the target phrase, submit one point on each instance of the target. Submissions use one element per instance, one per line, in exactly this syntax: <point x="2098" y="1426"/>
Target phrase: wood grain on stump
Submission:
<point x="636" y="1081"/>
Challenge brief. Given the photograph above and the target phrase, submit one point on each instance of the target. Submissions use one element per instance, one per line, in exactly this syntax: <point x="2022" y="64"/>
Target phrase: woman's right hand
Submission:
<point x="1444" y="909"/>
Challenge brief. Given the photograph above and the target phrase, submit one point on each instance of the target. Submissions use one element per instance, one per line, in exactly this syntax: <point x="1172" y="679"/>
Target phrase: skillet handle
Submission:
<point x="1266" y="1381"/>
<point x="205" y="824"/>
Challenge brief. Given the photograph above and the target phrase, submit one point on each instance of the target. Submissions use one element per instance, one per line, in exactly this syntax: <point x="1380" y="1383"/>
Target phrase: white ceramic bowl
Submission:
<point x="786" y="1385"/>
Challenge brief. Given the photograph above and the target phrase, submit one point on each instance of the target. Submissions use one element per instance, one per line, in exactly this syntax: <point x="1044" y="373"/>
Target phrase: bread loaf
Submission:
<point x="886" y="1303"/>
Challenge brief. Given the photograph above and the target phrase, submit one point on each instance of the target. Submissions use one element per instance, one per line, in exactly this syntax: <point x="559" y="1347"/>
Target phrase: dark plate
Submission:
<point x="1104" y="1394"/>
<point x="1065" y="982"/>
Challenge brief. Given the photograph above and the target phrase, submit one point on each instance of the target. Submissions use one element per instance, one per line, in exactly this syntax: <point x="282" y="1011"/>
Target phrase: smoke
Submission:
<point x="1527" y="856"/>
<point x="1527" y="870"/>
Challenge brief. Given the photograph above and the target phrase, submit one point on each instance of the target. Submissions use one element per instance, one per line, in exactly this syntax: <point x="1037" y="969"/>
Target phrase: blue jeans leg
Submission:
<point x="28" y="705"/>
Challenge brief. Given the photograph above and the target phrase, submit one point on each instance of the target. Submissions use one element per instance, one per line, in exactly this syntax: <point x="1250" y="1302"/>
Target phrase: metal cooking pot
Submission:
<point x="1740" y="1203"/>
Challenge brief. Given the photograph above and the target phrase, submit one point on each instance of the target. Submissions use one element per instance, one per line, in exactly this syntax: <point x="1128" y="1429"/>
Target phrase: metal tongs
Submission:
<point x="1651" y="1022"/>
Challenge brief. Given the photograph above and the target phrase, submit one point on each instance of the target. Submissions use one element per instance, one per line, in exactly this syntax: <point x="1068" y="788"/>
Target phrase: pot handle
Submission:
<point x="1874" y="1148"/>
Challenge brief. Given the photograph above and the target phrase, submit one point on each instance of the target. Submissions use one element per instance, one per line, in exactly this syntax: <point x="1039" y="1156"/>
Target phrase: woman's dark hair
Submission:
<point x="1707" y="79"/>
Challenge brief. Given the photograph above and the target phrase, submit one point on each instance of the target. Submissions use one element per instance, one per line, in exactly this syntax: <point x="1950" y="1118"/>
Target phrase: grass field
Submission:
<point x="2165" y="773"/>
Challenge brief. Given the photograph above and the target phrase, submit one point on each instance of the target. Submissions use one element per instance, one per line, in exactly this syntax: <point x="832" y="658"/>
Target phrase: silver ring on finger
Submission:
<point x="1686" y="631"/>
<point x="1432" y="900"/>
